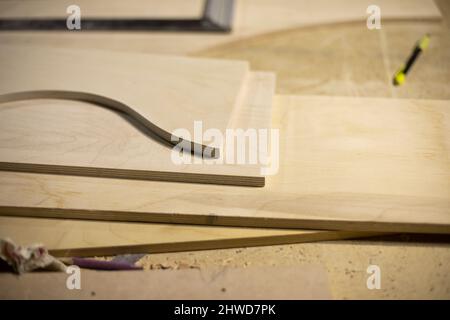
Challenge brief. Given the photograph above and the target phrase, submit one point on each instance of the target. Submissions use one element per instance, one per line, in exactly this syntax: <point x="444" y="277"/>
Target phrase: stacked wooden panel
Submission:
<point x="353" y="164"/>
<point x="58" y="118"/>
<point x="156" y="95"/>
<point x="359" y="164"/>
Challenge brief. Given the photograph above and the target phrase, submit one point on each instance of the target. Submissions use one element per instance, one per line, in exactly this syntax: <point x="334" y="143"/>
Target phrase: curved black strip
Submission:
<point x="216" y="17"/>
<point x="195" y="148"/>
<point x="99" y="24"/>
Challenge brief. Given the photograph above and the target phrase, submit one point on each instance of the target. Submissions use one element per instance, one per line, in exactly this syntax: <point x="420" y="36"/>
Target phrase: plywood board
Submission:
<point x="251" y="18"/>
<point x="76" y="137"/>
<point x="162" y="93"/>
<point x="304" y="282"/>
<point x="361" y="164"/>
<point x="68" y="238"/>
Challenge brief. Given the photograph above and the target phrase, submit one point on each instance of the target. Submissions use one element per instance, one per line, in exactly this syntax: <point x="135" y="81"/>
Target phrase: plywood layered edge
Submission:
<point x="146" y="158"/>
<point x="353" y="164"/>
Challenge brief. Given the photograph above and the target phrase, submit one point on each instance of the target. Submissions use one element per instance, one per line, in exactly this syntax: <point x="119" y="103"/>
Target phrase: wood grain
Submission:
<point x="345" y="164"/>
<point x="137" y="84"/>
<point x="68" y="238"/>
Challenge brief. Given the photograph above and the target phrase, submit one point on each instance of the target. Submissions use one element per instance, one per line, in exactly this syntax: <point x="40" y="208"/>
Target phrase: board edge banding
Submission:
<point x="226" y="221"/>
<point x="166" y="176"/>
<point x="226" y="177"/>
<point x="197" y="245"/>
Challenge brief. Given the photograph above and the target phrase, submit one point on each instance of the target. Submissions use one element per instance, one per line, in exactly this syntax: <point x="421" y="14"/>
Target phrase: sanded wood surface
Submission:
<point x="79" y="138"/>
<point x="65" y="237"/>
<point x="345" y="164"/>
<point x="142" y="86"/>
<point x="304" y="282"/>
<point x="348" y="60"/>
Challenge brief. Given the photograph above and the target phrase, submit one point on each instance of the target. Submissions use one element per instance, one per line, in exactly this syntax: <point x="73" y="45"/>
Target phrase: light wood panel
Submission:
<point x="251" y="17"/>
<point x="304" y="282"/>
<point x="102" y="8"/>
<point x="79" y="138"/>
<point x="345" y="164"/>
<point x="162" y="93"/>
<point x="63" y="237"/>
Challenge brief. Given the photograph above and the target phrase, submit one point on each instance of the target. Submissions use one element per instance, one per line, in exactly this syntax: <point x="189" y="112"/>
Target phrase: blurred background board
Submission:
<point x="250" y="18"/>
<point x="348" y="60"/>
<point x="102" y="8"/>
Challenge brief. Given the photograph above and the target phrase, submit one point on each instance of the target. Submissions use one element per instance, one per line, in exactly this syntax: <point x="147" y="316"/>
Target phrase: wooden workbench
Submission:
<point x="349" y="60"/>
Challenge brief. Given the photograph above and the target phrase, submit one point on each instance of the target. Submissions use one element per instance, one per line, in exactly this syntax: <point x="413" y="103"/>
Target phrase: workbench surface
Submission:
<point x="343" y="60"/>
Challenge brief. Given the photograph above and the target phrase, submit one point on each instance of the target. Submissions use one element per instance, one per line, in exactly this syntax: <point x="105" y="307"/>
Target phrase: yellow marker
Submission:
<point x="424" y="42"/>
<point x="400" y="75"/>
